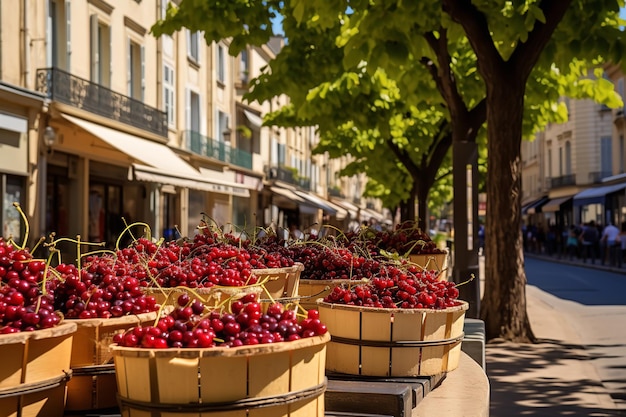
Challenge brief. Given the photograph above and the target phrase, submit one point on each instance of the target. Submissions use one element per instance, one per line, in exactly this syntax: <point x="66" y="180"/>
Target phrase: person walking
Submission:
<point x="609" y="244"/>
<point x="571" y="243"/>
<point x="589" y="237"/>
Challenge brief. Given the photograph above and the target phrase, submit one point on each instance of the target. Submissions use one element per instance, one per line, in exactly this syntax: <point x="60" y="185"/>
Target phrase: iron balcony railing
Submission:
<point x="563" y="181"/>
<point x="205" y="146"/>
<point x="288" y="175"/>
<point x="334" y="192"/>
<point x="64" y="87"/>
<point x="598" y="176"/>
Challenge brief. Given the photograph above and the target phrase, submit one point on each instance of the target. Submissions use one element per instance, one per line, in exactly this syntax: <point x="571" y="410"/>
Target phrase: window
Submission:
<point x="223" y="126"/>
<point x="550" y="173"/>
<point x="193" y="46"/>
<point x="244" y="66"/>
<point x="281" y="154"/>
<point x="168" y="94"/>
<point x="193" y="111"/>
<point x="221" y="64"/>
<point x="100" y="52"/>
<point x="621" y="154"/>
<point x="568" y="158"/>
<point x="606" y="161"/>
<point x="14" y="191"/>
<point x="136" y="70"/>
<point x="620" y="87"/>
<point x="58" y="32"/>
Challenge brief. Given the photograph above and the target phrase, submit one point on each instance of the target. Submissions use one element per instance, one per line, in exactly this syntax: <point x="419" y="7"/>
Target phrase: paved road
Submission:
<point x="594" y="302"/>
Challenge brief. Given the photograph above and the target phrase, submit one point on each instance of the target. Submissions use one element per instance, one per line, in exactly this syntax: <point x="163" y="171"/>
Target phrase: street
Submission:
<point x="594" y="303"/>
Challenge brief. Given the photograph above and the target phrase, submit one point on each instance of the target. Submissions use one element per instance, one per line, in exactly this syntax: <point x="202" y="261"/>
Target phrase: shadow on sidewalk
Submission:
<point x="544" y="379"/>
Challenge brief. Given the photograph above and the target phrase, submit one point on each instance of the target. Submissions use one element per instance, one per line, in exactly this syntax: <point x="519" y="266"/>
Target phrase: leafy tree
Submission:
<point x="502" y="62"/>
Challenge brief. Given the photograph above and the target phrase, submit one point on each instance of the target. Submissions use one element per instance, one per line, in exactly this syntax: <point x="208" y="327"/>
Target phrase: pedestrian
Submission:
<point x="622" y="237"/>
<point x="589" y="239"/>
<point x="295" y="232"/>
<point x="572" y="243"/>
<point x="609" y="244"/>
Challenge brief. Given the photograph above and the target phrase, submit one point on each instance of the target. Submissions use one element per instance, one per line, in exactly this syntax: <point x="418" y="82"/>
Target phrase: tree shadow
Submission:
<point x="544" y="379"/>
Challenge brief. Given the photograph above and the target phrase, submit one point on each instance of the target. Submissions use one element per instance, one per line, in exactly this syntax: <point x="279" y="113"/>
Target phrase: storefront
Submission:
<point x="19" y="112"/>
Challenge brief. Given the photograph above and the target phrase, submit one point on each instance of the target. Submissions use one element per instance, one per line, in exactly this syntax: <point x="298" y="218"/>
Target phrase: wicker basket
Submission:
<point x="280" y="379"/>
<point x="392" y="342"/>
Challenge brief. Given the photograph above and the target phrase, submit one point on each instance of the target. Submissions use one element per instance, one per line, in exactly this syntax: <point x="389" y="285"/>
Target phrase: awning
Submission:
<point x="531" y="208"/>
<point x="596" y="195"/>
<point x="317" y="201"/>
<point x="351" y="208"/>
<point x="194" y="182"/>
<point x="367" y="214"/>
<point x="288" y="198"/>
<point x="144" y="151"/>
<point x="254" y="119"/>
<point x="555" y="204"/>
<point x="219" y="185"/>
<point x="341" y="214"/>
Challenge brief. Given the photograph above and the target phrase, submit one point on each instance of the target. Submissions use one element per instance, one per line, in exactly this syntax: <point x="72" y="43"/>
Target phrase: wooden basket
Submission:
<point x="39" y="399"/>
<point x="276" y="283"/>
<point x="312" y="289"/>
<point x="93" y="384"/>
<point x="32" y="357"/>
<point x="272" y="380"/>
<point x="392" y="342"/>
<point x="433" y="262"/>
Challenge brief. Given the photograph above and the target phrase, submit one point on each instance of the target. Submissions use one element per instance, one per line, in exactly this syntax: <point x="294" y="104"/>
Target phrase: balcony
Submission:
<point x="595" y="177"/>
<point x="563" y="181"/>
<point x="66" y="88"/>
<point x="288" y="175"/>
<point x="335" y="192"/>
<point x="222" y="151"/>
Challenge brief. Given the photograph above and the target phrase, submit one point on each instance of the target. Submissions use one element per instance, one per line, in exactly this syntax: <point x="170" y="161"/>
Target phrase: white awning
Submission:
<point x="194" y="182"/>
<point x="317" y="202"/>
<point x="342" y="213"/>
<point x="144" y="151"/>
<point x="351" y="208"/>
<point x="222" y="185"/>
<point x="254" y="119"/>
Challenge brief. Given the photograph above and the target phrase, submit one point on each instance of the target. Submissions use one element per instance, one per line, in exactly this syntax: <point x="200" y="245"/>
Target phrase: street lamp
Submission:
<point x="49" y="136"/>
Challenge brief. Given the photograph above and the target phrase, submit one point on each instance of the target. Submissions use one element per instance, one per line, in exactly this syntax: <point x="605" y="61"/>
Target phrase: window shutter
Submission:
<point x="129" y="67"/>
<point x="143" y="72"/>
<point x="95" y="55"/>
<point x="187" y="109"/>
<point x="68" y="37"/>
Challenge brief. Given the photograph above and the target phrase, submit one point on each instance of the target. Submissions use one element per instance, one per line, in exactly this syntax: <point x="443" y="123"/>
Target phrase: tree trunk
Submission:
<point x="407" y="208"/>
<point x="421" y="192"/>
<point x="503" y="306"/>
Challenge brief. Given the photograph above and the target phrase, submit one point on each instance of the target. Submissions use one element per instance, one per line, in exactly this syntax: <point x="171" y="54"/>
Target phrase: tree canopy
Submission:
<point x="357" y="68"/>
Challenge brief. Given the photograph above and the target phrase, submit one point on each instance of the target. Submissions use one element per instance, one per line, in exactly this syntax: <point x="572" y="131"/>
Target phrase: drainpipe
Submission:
<point x="26" y="51"/>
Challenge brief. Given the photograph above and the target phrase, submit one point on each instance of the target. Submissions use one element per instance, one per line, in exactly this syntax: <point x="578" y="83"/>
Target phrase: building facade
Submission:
<point x="102" y="124"/>
<point x="581" y="163"/>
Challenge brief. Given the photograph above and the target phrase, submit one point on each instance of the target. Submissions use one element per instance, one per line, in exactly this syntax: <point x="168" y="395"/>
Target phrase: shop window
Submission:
<point x="13" y="191"/>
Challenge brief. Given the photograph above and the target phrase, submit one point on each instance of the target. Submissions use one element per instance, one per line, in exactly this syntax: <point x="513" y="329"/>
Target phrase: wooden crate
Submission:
<point x="312" y="289"/>
<point x="392" y="342"/>
<point x="40" y="399"/>
<point x="433" y="262"/>
<point x="36" y="356"/>
<point x="279" y="379"/>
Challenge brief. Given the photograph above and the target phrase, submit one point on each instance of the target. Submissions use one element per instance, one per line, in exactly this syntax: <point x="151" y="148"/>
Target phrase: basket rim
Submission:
<point x="64" y="328"/>
<point x="463" y="306"/>
<point x="247" y="350"/>
<point x="297" y="266"/>
<point x="335" y="281"/>
<point x="128" y="318"/>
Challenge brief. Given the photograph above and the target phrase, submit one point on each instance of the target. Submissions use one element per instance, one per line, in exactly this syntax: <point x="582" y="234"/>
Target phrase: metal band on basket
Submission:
<point x="398" y="343"/>
<point x="47" y="384"/>
<point x="92" y="370"/>
<point x="257" y="402"/>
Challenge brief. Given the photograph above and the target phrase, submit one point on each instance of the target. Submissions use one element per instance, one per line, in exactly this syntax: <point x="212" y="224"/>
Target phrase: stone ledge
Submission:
<point x="463" y="393"/>
<point x="474" y="341"/>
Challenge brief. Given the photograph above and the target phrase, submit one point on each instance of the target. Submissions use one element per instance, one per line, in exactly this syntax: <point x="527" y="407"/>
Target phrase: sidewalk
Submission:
<point x="554" y="377"/>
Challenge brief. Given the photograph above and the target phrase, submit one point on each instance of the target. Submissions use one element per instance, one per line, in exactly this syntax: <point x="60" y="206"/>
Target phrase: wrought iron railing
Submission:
<point x="205" y="146"/>
<point x="562" y="181"/>
<point x="334" y="192"/>
<point x="288" y="175"/>
<point x="64" y="87"/>
<point x="598" y="176"/>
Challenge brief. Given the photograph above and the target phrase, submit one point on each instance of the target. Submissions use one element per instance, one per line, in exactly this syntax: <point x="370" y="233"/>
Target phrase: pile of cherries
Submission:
<point x="403" y="286"/>
<point x="325" y="262"/>
<point x="23" y="304"/>
<point x="192" y="325"/>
